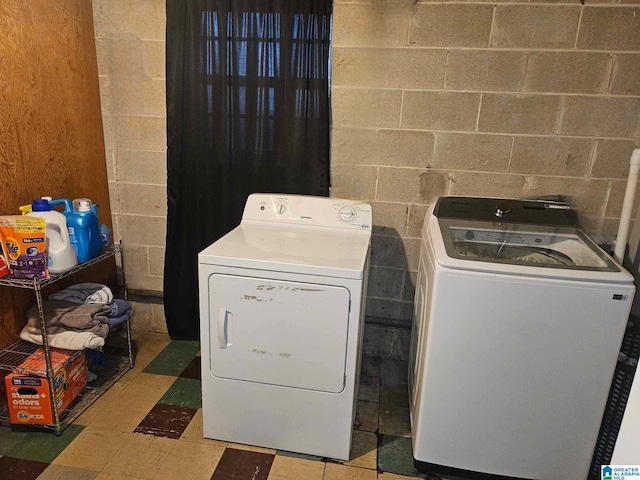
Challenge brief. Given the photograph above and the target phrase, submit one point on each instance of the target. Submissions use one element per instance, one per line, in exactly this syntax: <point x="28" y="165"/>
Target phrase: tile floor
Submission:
<point x="149" y="425"/>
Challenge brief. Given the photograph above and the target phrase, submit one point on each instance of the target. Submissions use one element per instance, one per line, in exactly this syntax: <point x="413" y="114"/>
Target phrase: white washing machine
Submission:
<point x="282" y="313"/>
<point x="518" y="322"/>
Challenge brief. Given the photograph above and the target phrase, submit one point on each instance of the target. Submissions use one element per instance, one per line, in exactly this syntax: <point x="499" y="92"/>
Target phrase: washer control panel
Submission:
<point x="308" y="210"/>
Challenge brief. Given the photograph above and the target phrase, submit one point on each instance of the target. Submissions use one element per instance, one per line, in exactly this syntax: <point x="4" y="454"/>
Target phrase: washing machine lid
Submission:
<point x="518" y="237"/>
<point x="291" y="249"/>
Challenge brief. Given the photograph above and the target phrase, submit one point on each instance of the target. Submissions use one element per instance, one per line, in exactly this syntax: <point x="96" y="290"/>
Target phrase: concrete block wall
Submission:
<point x="130" y="45"/>
<point x="429" y="98"/>
<point x="513" y="99"/>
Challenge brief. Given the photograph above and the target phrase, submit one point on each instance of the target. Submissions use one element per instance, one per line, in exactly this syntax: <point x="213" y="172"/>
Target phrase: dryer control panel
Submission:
<point x="308" y="210"/>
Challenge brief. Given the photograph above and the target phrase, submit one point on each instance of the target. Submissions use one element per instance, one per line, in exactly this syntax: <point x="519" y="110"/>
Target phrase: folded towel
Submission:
<point x="65" y="339"/>
<point x="84" y="293"/>
<point x="72" y="316"/>
<point x="118" y="308"/>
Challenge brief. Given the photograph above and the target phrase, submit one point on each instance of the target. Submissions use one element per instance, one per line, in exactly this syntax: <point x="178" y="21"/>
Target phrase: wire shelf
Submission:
<point x="9" y="281"/>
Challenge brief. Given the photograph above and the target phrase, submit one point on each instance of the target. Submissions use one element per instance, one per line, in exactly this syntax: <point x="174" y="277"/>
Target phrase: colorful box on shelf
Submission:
<point x="28" y="387"/>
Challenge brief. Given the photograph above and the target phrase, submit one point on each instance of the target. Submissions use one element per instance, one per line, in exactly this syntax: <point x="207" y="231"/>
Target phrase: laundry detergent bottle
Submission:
<point x="83" y="225"/>
<point x="61" y="255"/>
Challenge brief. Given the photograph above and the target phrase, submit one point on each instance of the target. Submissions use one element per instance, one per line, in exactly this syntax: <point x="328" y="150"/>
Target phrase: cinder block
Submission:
<point x="409" y="287"/>
<point x="353" y="182"/>
<point x="395" y="309"/>
<point x="366" y="108"/>
<point x="552" y="156"/>
<point x="440" y="110"/>
<point x="141" y="133"/>
<point x="599" y="23"/>
<point x="461" y="151"/>
<point x="570" y="72"/>
<point x="137" y="96"/>
<point x="518" y="113"/>
<point x="616" y="198"/>
<point x="387" y="342"/>
<point x="142" y="319"/>
<point x="501" y="71"/>
<point x="105" y="95"/>
<point x="136" y="259"/>
<point x="109" y="131"/>
<point x="389" y="218"/>
<point x="113" y="196"/>
<point x="149" y="283"/>
<point x="385" y="282"/>
<point x="475" y="184"/>
<point x="159" y="320"/>
<point x="601" y="117"/>
<point x="388" y="252"/>
<point x="417" y="213"/>
<point x="612" y="158"/>
<point x="381" y="147"/>
<point x="411" y="185"/>
<point x="451" y="25"/>
<point x="626" y="75"/>
<point x="130" y="19"/>
<point x="588" y="195"/>
<point x="143" y="230"/>
<point x="156" y="261"/>
<point x="131" y="57"/>
<point x="535" y="26"/>
<point x="388" y="67"/>
<point x="365" y="25"/>
<point x="141" y="166"/>
<point x="111" y="167"/>
<point x="139" y="199"/>
<point x="412" y="250"/>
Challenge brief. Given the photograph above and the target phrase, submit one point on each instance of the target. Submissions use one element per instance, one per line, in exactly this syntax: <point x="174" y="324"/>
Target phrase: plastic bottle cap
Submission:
<point x="40" y="205"/>
<point x="84" y="205"/>
<point x="47" y="198"/>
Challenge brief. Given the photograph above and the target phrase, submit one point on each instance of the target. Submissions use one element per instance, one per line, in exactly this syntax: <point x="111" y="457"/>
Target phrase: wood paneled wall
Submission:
<point x="51" y="139"/>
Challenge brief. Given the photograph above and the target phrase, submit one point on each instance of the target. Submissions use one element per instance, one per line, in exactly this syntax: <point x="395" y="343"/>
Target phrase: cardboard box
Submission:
<point x="28" y="390"/>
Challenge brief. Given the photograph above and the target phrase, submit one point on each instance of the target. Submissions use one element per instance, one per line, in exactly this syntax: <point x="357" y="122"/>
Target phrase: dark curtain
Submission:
<point x="247" y="111"/>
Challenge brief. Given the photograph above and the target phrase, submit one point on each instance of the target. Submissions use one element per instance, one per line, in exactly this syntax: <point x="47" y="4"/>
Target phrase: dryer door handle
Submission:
<point x="222" y="328"/>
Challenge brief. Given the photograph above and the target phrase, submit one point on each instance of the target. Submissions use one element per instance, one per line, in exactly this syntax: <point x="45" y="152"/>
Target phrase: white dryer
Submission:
<point x="518" y="322"/>
<point x="282" y="313"/>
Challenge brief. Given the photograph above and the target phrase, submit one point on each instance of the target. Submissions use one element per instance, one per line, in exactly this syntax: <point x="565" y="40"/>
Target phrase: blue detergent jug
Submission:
<point x="83" y="225"/>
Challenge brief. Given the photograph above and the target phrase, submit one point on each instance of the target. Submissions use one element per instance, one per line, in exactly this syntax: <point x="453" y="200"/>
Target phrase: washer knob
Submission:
<point x="347" y="213"/>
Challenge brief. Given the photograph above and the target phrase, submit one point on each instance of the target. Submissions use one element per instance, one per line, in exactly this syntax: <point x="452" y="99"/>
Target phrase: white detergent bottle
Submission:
<point x="61" y="256"/>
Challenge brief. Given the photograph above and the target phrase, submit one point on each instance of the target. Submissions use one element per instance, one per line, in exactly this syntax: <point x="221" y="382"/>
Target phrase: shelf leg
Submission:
<point x="47" y="355"/>
<point x="126" y="297"/>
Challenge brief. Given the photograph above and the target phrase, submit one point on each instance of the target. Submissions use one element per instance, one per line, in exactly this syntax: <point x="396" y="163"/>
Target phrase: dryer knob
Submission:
<point x="347" y="213"/>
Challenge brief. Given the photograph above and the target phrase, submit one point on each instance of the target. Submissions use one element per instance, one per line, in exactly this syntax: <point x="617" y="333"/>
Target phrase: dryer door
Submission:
<point x="279" y="333"/>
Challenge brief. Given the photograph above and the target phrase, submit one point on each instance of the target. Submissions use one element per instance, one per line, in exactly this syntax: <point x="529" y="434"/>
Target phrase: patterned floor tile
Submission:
<point x="187" y="346"/>
<point x="367" y="416"/>
<point x="193" y="432"/>
<point x="303" y="456"/>
<point x="192" y="461"/>
<point x="395" y="455"/>
<point x="394" y="395"/>
<point x="344" y="472"/>
<point x="166" y="420"/>
<point x="393" y="372"/>
<point x="83" y="454"/>
<point x="364" y="450"/>
<point x="251" y="448"/>
<point x="140" y="456"/>
<point x="243" y="464"/>
<point x="21" y="469"/>
<point x="370" y="367"/>
<point x="173" y="359"/>
<point x="289" y="468"/>
<point x="193" y="370"/>
<point x="44" y="446"/>
<point x="12" y="436"/>
<point x="62" y="472"/>
<point x="395" y="421"/>
<point x="184" y="391"/>
<point x="369" y="389"/>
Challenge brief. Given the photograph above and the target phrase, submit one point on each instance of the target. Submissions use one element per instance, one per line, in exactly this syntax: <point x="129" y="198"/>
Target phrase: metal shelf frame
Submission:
<point x="117" y="365"/>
